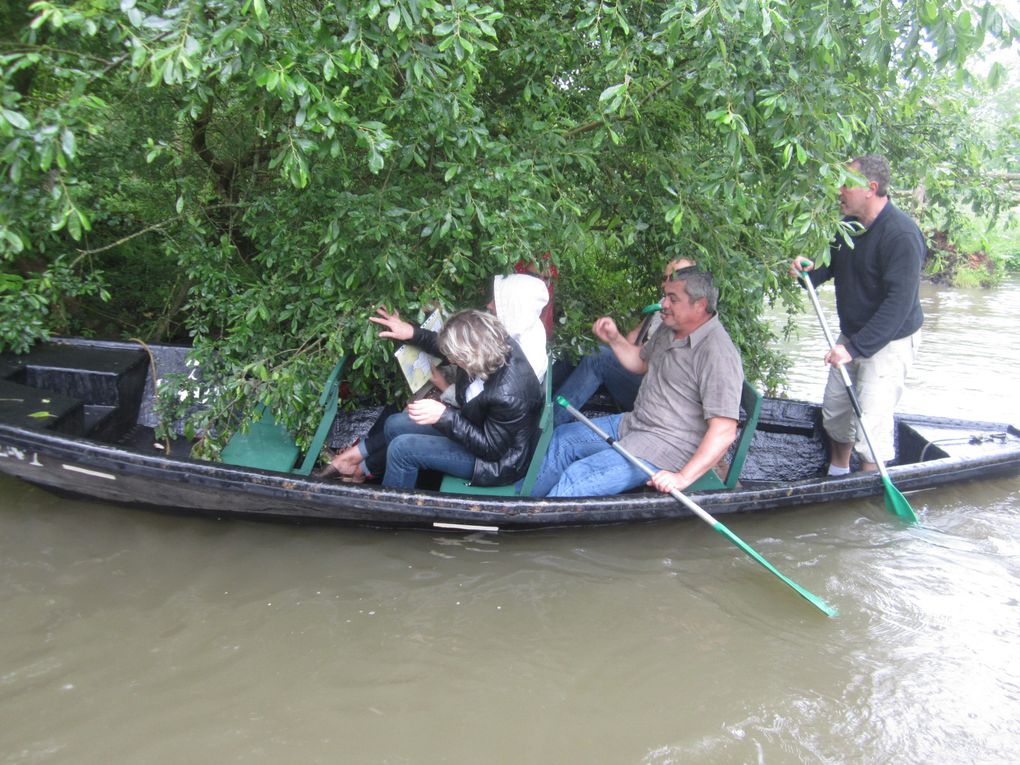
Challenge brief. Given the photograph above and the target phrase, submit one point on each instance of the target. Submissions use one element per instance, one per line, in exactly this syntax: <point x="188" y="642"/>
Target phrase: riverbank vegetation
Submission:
<point x="256" y="177"/>
<point x="979" y="255"/>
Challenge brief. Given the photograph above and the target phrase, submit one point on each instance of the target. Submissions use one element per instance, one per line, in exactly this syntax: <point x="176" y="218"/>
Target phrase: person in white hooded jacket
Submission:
<point x="517" y="301"/>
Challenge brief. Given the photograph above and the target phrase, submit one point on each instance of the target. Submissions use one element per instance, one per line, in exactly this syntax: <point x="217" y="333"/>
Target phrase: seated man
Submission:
<point x="603" y="368"/>
<point x="686" y="412"/>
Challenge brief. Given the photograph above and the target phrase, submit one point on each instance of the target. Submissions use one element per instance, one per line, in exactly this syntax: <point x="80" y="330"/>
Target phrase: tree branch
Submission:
<point x="129" y="237"/>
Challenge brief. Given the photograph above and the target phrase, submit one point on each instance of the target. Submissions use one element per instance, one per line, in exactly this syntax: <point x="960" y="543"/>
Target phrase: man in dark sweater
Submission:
<point x="877" y="277"/>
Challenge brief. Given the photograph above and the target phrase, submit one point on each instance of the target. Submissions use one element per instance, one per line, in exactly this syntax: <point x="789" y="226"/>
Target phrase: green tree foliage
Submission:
<point x="299" y="162"/>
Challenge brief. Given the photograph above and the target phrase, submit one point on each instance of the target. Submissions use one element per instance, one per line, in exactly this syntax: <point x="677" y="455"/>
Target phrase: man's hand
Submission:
<point x="396" y="328"/>
<point x="799" y="264"/>
<point x="666" y="481"/>
<point x="628" y="354"/>
<point x="838" y="356"/>
<point x="605" y="329"/>
<point x="425" y="411"/>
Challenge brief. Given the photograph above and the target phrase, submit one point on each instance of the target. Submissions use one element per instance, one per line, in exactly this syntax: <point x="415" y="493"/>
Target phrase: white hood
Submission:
<point x="519" y="300"/>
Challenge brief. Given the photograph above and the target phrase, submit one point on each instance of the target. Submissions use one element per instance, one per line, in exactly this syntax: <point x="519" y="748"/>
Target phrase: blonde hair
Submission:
<point x="475" y="341"/>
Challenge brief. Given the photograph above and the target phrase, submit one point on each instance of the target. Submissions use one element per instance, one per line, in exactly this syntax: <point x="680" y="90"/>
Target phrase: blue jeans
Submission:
<point x="597" y="369"/>
<point x="414" y="447"/>
<point x="580" y="463"/>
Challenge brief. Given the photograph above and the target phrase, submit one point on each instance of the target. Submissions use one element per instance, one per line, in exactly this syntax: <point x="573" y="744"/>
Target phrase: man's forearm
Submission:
<point x="722" y="431"/>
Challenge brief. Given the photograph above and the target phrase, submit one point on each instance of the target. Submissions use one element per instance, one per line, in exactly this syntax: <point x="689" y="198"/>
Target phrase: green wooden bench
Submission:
<point x="750" y="402"/>
<point x="269" y="446"/>
<point x="453" y="485"/>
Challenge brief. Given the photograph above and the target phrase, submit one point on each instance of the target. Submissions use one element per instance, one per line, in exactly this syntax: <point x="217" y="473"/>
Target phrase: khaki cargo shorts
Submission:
<point x="878" y="382"/>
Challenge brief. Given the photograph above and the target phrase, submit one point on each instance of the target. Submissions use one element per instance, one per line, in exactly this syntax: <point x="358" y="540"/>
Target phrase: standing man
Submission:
<point x="687" y="407"/>
<point x="603" y="368"/>
<point x="877" y="299"/>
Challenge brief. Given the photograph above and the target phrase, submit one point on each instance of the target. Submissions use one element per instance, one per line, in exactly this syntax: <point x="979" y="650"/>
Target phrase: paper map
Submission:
<point x="414" y="362"/>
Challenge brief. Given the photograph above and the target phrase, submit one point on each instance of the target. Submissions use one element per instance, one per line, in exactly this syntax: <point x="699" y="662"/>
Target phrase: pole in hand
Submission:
<point x="895" y="502"/>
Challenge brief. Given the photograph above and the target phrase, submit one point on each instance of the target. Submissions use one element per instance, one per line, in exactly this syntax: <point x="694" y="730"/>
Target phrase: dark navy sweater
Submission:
<point x="877" y="282"/>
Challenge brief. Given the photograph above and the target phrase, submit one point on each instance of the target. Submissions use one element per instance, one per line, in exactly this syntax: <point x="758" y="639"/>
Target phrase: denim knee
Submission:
<point x="599" y="360"/>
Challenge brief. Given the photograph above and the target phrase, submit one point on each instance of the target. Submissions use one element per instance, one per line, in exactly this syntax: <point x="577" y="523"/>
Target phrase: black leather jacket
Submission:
<point x="499" y="425"/>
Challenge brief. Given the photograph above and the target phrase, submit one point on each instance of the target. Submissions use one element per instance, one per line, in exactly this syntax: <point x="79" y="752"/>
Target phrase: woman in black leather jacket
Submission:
<point x="491" y="434"/>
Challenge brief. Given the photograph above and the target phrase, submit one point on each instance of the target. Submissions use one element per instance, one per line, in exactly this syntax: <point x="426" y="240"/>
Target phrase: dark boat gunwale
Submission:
<point x="273" y="495"/>
<point x="87" y="468"/>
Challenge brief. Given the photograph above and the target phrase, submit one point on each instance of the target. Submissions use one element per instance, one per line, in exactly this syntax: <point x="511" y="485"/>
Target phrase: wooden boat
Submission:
<point x="76" y="417"/>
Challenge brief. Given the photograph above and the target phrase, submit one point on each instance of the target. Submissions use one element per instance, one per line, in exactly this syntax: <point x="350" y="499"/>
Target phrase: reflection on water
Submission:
<point x="137" y="637"/>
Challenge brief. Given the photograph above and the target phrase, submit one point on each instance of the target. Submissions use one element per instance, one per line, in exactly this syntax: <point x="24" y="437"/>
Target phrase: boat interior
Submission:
<point x="104" y="392"/>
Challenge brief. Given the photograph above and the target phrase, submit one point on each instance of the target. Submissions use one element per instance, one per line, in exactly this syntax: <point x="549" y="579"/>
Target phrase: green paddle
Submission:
<point x="814" y="600"/>
<point x="895" y="502"/>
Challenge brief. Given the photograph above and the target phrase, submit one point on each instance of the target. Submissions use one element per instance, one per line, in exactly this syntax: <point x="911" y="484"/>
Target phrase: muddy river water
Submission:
<point x="137" y="637"/>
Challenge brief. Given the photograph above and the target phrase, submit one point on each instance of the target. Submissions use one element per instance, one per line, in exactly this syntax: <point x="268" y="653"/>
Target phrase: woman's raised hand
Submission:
<point x="395" y="327"/>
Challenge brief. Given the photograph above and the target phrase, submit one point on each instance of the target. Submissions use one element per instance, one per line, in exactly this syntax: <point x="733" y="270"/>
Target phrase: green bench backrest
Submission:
<point x="269" y="446"/>
<point x="328" y="403"/>
<point x="545" y="425"/>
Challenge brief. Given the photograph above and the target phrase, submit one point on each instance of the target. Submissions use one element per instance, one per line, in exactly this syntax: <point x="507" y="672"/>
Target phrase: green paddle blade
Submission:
<point x="811" y="598"/>
<point x="896" y="503"/>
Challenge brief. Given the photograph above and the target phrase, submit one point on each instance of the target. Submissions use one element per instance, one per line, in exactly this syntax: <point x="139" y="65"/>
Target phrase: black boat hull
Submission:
<point x="105" y="473"/>
<point x="781" y="471"/>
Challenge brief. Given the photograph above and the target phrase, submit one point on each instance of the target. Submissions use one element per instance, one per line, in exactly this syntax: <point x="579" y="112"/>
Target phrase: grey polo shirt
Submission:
<point x="688" y="381"/>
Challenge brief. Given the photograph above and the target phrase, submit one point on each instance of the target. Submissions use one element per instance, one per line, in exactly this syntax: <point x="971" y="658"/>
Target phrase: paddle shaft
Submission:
<point x="842" y="371"/>
<point x="691" y="505"/>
